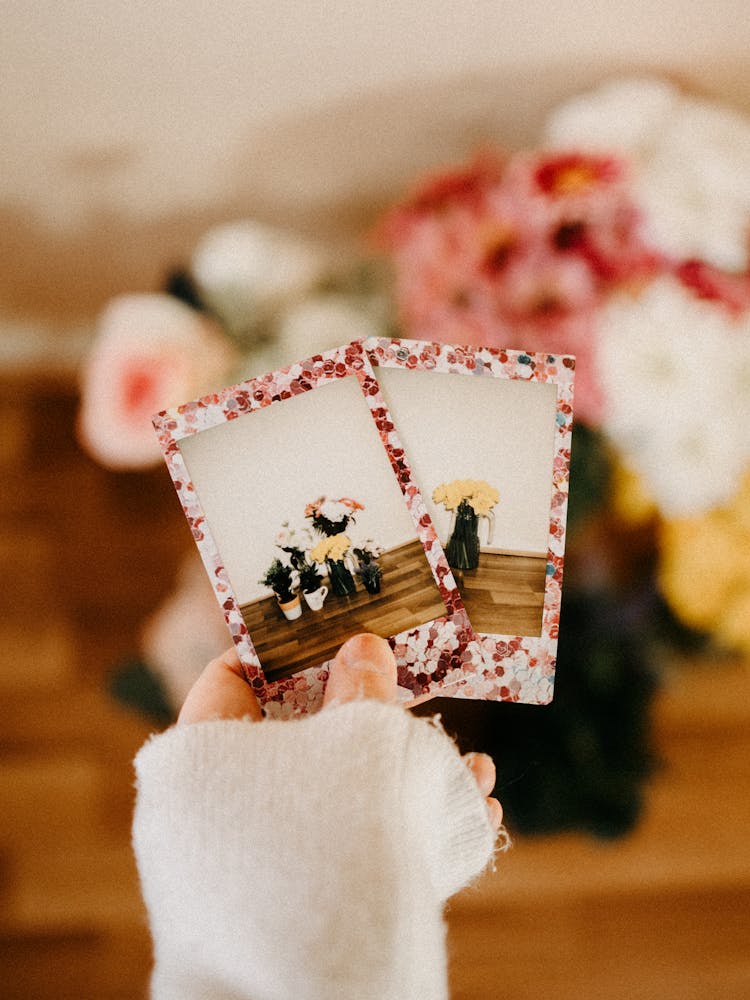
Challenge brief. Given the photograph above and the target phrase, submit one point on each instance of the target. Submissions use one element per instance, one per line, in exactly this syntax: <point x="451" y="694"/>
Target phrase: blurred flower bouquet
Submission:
<point x="622" y="239"/>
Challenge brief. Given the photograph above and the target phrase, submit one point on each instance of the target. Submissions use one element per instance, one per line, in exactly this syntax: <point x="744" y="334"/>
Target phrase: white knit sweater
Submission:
<point x="305" y="860"/>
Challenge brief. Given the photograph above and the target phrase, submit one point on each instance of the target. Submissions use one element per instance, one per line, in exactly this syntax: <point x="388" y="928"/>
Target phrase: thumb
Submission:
<point x="364" y="667"/>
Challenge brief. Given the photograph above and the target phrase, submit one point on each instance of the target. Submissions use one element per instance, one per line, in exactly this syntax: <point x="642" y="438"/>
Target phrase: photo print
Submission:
<point x="312" y="529"/>
<point x="487" y="434"/>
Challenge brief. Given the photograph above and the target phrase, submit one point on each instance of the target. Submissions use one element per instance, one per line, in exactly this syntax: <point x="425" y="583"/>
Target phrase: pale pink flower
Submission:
<point x="151" y="352"/>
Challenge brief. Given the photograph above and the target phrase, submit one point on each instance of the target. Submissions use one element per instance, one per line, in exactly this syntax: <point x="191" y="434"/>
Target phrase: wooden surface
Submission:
<point x="661" y="915"/>
<point x="504" y="595"/>
<point x="409" y="597"/>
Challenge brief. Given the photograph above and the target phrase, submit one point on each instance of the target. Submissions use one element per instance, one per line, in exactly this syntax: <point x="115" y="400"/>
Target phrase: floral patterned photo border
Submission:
<point x="516" y="668"/>
<point x="432" y="658"/>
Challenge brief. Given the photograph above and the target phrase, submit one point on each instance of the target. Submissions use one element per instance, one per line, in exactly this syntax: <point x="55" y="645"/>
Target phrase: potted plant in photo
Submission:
<point x="283" y="580"/>
<point x="312" y="586"/>
<point x="332" y="517"/>
<point x="370" y="574"/>
<point x="332" y="551"/>
<point x="368" y="569"/>
<point x="468" y="500"/>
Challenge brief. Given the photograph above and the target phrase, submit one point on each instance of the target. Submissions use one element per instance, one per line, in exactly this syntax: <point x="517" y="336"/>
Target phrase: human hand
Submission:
<point x="364" y="667"/>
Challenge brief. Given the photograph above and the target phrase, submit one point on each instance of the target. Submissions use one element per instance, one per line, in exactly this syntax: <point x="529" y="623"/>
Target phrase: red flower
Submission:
<point x="708" y="282"/>
<point x="575" y="173"/>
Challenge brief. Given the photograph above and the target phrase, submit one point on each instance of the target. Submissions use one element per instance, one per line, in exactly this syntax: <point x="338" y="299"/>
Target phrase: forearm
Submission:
<point x="307" y="859"/>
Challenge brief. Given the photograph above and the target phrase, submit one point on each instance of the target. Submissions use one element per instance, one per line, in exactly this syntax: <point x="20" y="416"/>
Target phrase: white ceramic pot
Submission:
<point x="316" y="598"/>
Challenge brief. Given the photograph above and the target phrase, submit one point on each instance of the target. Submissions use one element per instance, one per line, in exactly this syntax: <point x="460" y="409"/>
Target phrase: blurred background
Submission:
<point x="195" y="181"/>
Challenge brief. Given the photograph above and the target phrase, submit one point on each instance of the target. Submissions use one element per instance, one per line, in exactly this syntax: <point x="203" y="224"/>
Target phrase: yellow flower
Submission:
<point x="480" y="496"/>
<point x="630" y="497"/>
<point x="332" y="547"/>
<point x="705" y="569"/>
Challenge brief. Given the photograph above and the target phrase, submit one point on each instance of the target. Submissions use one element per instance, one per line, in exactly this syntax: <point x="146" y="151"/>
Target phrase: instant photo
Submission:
<point x="312" y="529"/>
<point x="487" y="435"/>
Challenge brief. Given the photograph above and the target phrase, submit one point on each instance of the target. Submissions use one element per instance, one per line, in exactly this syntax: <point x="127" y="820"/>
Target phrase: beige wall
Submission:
<point x="253" y="473"/>
<point x="145" y="108"/>
<point x="129" y="127"/>
<point x="465" y="427"/>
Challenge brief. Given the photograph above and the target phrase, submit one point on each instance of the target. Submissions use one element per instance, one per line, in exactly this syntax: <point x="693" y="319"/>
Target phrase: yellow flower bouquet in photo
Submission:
<point x="331" y="550"/>
<point x="332" y="547"/>
<point x="477" y="493"/>
<point x="468" y="500"/>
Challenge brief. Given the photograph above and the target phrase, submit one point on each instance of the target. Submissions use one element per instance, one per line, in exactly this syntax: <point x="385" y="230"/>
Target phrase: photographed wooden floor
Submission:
<point x="504" y="595"/>
<point x="86" y="555"/>
<point x="409" y="596"/>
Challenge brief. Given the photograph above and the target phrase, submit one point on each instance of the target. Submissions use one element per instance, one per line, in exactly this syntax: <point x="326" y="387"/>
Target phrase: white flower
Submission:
<point x="322" y="323"/>
<point x="245" y="269"/>
<point x="293" y="538"/>
<point x="692" y="163"/>
<point x="621" y="115"/>
<point x="334" y="510"/>
<point x="675" y="372"/>
<point x="285" y="539"/>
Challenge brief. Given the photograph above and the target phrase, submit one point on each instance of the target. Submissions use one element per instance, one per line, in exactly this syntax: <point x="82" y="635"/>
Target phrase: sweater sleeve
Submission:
<point x="306" y="859"/>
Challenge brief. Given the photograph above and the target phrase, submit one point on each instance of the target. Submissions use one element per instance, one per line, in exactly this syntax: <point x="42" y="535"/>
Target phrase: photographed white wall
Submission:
<point x="253" y="473"/>
<point x="470" y="427"/>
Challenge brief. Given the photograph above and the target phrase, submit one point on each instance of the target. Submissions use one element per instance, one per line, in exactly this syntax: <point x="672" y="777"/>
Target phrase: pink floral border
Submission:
<point x="432" y="657"/>
<point x="515" y="668"/>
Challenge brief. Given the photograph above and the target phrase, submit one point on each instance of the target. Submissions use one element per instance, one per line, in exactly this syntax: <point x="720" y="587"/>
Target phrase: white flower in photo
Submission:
<point x="334" y="510"/>
<point x="691" y="158"/>
<point x="245" y="269"/>
<point x="293" y="538"/>
<point x="675" y="371"/>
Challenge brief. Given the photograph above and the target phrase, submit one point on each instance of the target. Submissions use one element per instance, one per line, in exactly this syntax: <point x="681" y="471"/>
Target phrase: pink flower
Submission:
<point x="520" y="253"/>
<point x="727" y="288"/>
<point x="151" y="352"/>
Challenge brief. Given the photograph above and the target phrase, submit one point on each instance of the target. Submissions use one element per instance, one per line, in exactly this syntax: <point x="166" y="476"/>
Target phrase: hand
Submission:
<point x="364" y="667"/>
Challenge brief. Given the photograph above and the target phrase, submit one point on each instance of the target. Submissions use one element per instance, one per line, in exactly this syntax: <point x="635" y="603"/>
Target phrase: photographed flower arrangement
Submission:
<point x="468" y="500"/>
<point x="622" y="238"/>
<point x="298" y="570"/>
<point x="370" y="573"/>
<point x="332" y="516"/>
<point x="474" y="493"/>
<point x="331" y="547"/>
